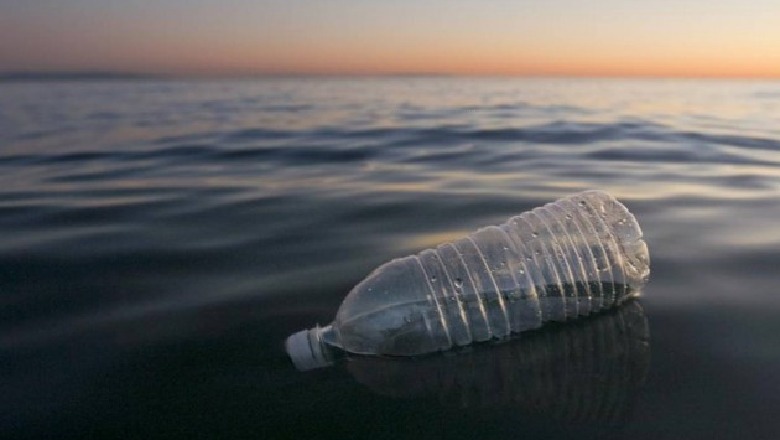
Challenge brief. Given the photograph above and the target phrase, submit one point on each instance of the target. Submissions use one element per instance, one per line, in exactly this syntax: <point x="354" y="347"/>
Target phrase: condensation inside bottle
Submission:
<point x="573" y="257"/>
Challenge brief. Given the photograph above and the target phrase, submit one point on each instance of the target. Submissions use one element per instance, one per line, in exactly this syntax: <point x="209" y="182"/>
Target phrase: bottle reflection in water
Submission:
<point x="587" y="371"/>
<point x="579" y="255"/>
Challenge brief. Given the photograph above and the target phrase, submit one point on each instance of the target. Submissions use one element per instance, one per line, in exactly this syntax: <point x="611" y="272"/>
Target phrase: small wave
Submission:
<point x="666" y="155"/>
<point x="627" y="140"/>
<point x="736" y="141"/>
<point x="254" y="134"/>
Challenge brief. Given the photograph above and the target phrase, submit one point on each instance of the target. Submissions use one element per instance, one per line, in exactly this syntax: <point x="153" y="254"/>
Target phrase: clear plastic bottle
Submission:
<point x="578" y="255"/>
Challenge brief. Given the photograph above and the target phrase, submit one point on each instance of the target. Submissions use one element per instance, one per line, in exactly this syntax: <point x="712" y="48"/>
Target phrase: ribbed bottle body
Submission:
<point x="569" y="258"/>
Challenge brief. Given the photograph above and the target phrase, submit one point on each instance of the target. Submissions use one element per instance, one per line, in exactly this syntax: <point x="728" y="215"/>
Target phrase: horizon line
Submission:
<point x="104" y="74"/>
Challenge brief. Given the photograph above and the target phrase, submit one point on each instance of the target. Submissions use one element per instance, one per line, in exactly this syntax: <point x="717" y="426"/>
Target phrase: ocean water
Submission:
<point x="159" y="240"/>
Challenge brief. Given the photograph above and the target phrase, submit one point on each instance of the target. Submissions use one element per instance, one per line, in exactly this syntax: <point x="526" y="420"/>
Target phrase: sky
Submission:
<point x="688" y="38"/>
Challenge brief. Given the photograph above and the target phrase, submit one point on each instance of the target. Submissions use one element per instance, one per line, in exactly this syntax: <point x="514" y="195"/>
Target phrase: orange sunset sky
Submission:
<point x="716" y="38"/>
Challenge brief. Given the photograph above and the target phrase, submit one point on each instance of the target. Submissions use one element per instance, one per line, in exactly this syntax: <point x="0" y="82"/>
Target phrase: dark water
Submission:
<point x="159" y="241"/>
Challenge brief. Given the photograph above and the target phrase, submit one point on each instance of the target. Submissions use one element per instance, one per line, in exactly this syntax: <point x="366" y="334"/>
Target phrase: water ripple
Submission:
<point x="441" y="144"/>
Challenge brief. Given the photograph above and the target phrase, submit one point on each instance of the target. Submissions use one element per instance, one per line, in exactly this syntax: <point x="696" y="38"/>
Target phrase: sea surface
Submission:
<point x="159" y="240"/>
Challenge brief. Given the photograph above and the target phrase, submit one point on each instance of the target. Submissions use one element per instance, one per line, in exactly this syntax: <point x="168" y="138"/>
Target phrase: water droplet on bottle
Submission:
<point x="521" y="271"/>
<point x="433" y="278"/>
<point x="569" y="216"/>
<point x="534" y="234"/>
<point x="458" y="283"/>
<point x="582" y="203"/>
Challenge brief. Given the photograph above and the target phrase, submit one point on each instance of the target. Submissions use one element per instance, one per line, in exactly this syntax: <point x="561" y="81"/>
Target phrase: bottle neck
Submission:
<point x="329" y="336"/>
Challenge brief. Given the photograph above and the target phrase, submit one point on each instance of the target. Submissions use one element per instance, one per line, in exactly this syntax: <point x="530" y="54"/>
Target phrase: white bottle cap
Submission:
<point x="306" y="350"/>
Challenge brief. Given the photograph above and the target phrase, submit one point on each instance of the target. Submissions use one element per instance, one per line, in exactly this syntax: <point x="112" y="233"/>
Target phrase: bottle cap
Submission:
<point x="306" y="350"/>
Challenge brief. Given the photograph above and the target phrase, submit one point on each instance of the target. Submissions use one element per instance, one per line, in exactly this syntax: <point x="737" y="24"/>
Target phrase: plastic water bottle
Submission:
<point x="573" y="257"/>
